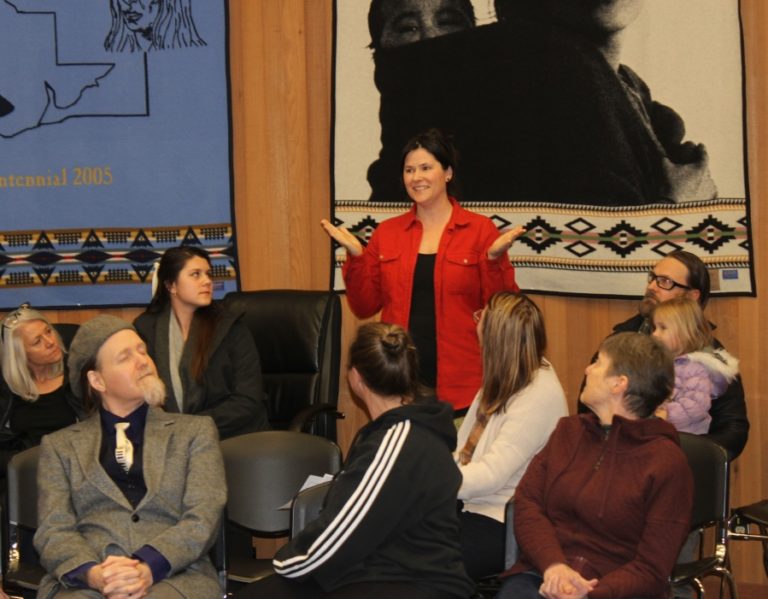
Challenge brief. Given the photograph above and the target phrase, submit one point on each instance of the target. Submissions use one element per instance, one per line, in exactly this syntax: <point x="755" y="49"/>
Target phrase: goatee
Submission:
<point x="154" y="390"/>
<point x="646" y="305"/>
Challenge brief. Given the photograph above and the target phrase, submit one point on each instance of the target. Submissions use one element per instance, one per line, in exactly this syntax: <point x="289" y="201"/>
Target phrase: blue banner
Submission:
<point x="115" y="145"/>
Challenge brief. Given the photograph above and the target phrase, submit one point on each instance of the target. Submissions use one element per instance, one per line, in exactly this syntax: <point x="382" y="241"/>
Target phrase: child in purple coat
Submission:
<point x="702" y="371"/>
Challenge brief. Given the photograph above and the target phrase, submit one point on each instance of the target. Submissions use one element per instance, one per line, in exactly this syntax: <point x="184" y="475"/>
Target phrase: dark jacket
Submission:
<point x="12" y="441"/>
<point x="730" y="426"/>
<point x="621" y="499"/>
<point x="231" y="391"/>
<point x="390" y="515"/>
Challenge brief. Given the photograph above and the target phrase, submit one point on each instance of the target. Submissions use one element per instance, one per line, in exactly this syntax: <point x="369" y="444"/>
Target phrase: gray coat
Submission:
<point x="84" y="517"/>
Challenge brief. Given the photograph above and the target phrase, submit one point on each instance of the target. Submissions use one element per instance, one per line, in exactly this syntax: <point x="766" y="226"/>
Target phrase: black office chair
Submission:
<point x="265" y="470"/>
<point x="744" y="518"/>
<point x="22" y="569"/>
<point x="66" y="331"/>
<point x="488" y="587"/>
<point x="307" y="506"/>
<point x="298" y="335"/>
<point x="710" y="467"/>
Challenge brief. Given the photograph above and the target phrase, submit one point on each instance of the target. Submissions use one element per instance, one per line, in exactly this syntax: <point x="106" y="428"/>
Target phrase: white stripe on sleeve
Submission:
<point x="353" y="511"/>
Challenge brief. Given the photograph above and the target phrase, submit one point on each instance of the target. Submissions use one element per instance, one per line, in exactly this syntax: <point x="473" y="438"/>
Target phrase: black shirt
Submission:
<point x="131" y="483"/>
<point x="422" y="318"/>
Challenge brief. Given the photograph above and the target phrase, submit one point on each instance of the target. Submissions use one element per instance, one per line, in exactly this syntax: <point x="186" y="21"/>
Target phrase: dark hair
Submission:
<point x="377" y="16"/>
<point x="205" y="318"/>
<point x="386" y="358"/>
<point x="91" y="397"/>
<point x="647" y="365"/>
<point x="698" y="275"/>
<point x="440" y="145"/>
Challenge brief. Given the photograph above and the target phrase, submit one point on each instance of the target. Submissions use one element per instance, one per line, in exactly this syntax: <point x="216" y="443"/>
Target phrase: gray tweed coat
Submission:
<point x="83" y="516"/>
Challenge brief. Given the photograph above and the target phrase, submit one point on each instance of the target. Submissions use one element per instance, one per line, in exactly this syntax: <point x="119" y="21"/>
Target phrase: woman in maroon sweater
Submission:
<point x="602" y="511"/>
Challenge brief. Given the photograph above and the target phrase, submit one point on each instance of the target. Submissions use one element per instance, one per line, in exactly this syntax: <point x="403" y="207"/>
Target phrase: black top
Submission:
<point x="131" y="483"/>
<point x="50" y="412"/>
<point x="422" y="319"/>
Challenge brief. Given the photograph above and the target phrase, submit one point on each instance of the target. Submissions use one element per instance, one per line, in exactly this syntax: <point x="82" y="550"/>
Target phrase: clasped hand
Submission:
<point x="119" y="577"/>
<point x="563" y="582"/>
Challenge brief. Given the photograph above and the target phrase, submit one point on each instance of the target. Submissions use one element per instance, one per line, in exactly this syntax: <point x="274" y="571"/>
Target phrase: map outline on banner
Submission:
<point x="107" y="189"/>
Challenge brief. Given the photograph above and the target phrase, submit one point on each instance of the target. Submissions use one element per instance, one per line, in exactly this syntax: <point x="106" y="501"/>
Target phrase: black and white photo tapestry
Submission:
<point x="613" y="131"/>
<point x="115" y="145"/>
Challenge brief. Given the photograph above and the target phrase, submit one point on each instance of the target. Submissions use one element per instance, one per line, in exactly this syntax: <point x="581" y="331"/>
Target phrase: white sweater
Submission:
<point x="510" y="440"/>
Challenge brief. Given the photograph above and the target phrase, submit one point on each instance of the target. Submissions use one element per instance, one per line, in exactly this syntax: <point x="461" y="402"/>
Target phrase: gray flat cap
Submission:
<point x="88" y="339"/>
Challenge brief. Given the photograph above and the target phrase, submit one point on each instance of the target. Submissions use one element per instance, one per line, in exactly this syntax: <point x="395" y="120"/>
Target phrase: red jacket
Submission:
<point x="621" y="500"/>
<point x="382" y="279"/>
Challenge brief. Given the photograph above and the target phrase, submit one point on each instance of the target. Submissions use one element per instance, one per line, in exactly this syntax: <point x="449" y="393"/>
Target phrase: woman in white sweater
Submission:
<point x="508" y="422"/>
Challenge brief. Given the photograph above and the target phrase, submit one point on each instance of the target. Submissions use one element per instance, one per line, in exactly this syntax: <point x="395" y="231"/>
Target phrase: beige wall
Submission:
<point x="281" y="53"/>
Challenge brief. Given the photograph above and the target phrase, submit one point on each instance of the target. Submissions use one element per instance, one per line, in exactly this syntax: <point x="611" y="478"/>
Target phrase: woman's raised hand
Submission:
<point x="504" y="242"/>
<point x="348" y="241"/>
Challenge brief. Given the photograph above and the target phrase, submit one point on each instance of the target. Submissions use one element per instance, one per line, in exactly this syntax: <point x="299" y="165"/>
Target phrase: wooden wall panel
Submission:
<point x="281" y="55"/>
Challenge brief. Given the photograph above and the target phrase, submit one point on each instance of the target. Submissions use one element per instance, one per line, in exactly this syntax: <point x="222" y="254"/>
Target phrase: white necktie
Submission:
<point x="123" y="446"/>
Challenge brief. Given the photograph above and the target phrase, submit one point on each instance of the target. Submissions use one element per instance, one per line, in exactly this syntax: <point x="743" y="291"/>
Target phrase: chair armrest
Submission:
<point x="308" y="414"/>
<point x="510" y="548"/>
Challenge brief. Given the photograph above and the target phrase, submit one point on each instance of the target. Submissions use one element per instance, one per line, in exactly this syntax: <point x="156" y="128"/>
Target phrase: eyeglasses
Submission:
<point x="477" y="315"/>
<point x="12" y="319"/>
<point x="665" y="283"/>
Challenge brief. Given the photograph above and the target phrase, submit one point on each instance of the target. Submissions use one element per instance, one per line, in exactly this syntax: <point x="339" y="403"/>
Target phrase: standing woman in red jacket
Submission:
<point x="431" y="269"/>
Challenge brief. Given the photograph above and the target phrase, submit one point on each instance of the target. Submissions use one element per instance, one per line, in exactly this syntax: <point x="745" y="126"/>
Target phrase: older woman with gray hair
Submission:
<point x="602" y="510"/>
<point x="35" y="398"/>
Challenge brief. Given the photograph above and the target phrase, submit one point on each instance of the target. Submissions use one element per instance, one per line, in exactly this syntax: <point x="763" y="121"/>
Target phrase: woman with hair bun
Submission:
<point x="509" y="421"/>
<point x="389" y="526"/>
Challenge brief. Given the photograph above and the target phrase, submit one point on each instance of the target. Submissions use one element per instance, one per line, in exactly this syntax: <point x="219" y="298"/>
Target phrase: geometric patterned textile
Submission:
<point x="104" y="256"/>
<point x="614" y="136"/>
<point x="572" y="251"/>
<point x="115" y="144"/>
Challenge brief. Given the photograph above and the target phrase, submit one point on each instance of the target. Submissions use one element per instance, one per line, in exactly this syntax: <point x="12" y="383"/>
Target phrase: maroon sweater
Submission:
<point x="621" y="499"/>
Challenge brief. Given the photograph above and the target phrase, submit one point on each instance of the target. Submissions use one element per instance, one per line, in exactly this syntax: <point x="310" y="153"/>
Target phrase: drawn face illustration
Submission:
<point x="139" y="15"/>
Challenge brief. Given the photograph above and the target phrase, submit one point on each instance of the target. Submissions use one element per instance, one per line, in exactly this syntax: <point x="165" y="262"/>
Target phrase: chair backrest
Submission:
<point x="298" y="335"/>
<point x="710" y="467"/>
<point x="22" y="488"/>
<point x="265" y="471"/>
<point x="66" y="331"/>
<point x="22" y="564"/>
<point x="511" y="550"/>
<point x="307" y="506"/>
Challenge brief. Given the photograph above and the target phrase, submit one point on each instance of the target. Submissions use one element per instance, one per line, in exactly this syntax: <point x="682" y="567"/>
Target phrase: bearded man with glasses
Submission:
<point x="679" y="274"/>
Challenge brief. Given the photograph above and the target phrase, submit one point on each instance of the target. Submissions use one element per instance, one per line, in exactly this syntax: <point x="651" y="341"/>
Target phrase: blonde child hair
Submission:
<point x="687" y="321"/>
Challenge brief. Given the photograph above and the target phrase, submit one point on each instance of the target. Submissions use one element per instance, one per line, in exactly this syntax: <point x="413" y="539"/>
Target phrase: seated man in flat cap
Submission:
<point x="131" y="498"/>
